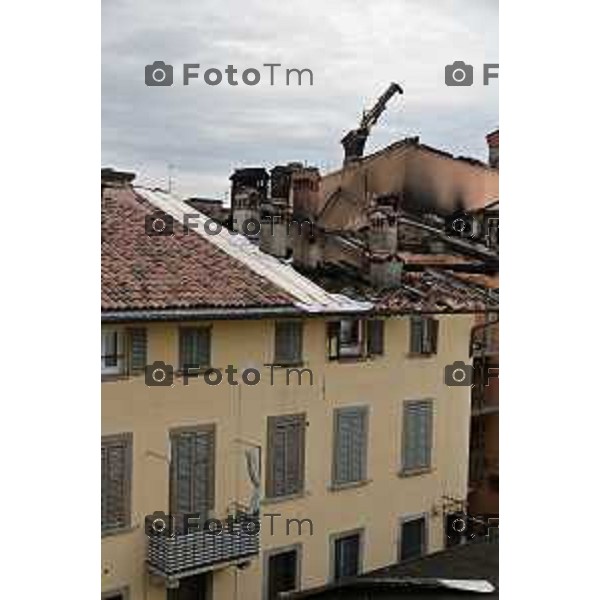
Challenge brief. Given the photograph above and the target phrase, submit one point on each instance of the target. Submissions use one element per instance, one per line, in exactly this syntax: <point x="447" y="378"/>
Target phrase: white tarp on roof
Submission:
<point x="309" y="296"/>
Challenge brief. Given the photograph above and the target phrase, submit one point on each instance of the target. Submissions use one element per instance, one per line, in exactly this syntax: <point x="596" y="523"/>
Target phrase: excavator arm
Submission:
<point x="354" y="141"/>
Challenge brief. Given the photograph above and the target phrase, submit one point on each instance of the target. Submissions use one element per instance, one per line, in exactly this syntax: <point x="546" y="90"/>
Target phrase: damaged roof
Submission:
<point x="429" y="291"/>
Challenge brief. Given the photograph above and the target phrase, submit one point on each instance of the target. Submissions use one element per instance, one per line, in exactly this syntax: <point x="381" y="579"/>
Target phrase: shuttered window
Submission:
<point x="423" y="335"/>
<point x="413" y="539"/>
<point x="116" y="481"/>
<point x="350" y="445"/>
<point x="192" y="473"/>
<point x="194" y="348"/>
<point x="347" y="556"/>
<point x="123" y="351"/>
<point x="288" y="342"/>
<point x="417" y="435"/>
<point x="285" y="455"/>
<point x="375" y="339"/>
<point x="136" y="339"/>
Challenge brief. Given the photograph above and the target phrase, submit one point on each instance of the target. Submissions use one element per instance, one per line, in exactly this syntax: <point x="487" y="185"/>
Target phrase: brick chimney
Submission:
<point x="248" y="195"/>
<point x="493" y="141"/>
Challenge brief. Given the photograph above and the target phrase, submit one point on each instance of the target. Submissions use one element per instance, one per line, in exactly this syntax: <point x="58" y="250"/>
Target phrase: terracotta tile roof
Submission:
<point x="164" y="272"/>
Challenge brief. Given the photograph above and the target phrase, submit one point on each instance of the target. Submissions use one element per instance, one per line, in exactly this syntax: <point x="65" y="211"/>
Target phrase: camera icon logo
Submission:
<point x="159" y="524"/>
<point x="459" y="74"/>
<point x="461" y="224"/>
<point x="458" y="374"/>
<point x="159" y="374"/>
<point x="159" y="74"/>
<point x="159" y="223"/>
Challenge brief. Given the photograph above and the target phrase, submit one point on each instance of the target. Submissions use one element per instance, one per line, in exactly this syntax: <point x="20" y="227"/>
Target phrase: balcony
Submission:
<point x="184" y="555"/>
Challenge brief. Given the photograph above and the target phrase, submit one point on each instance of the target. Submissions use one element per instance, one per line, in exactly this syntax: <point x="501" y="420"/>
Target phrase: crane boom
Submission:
<point x="355" y="140"/>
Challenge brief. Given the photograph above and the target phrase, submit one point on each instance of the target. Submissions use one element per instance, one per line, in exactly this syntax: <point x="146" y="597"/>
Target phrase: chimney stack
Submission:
<point x="493" y="141"/>
<point x="248" y="195"/>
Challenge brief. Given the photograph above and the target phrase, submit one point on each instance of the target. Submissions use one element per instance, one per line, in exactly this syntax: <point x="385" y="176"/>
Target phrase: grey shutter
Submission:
<point x="194" y="347"/>
<point x="285" y="455"/>
<point x="375" y="336"/>
<point x="350" y="439"/>
<point x="116" y="481"/>
<point x="417" y="435"/>
<point x="288" y="342"/>
<point x="416" y="335"/>
<point x="192" y="472"/>
<point x="137" y="345"/>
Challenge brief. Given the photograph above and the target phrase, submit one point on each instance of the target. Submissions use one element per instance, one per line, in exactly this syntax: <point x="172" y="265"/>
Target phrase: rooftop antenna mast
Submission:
<point x="170" y="169"/>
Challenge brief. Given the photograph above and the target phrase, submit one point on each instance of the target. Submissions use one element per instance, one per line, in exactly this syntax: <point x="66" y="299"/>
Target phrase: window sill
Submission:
<point x="412" y="355"/>
<point x="277" y="499"/>
<point x="283" y="365"/>
<point x="355" y="359"/>
<point x="340" y="487"/>
<point x="415" y="472"/>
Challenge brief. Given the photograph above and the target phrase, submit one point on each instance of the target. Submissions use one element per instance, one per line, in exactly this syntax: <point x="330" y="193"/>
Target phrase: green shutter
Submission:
<point x="350" y="445"/>
<point x="194" y="347"/>
<point x="288" y="342"/>
<point x="417" y="435"/>
<point x="116" y="481"/>
<point x="285" y="455"/>
<point x="192" y="472"/>
<point x="137" y="344"/>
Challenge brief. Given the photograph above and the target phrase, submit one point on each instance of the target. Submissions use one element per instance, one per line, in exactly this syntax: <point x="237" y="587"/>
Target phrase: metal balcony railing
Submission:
<point x="190" y="553"/>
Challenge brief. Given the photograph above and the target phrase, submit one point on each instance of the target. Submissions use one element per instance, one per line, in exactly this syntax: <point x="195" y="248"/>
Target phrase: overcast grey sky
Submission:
<point x="354" y="48"/>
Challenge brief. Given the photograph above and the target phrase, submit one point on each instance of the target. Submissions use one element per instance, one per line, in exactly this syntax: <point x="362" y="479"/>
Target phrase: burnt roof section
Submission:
<point x="475" y="561"/>
<point x="172" y="271"/>
<point x="428" y="291"/>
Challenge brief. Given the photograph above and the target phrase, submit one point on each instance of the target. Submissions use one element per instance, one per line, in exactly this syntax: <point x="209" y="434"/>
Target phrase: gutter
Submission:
<point x="195" y="314"/>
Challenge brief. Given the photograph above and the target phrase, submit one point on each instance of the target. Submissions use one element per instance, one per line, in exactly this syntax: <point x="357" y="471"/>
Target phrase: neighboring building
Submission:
<point x="374" y="452"/>
<point x="445" y="575"/>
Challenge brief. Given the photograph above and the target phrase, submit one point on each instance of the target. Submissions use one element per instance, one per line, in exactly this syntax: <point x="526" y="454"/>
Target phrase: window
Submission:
<point x="192" y="473"/>
<point x="355" y="338"/>
<point x="123" y="351"/>
<point x="282" y="573"/>
<point x="423" y="335"/>
<point x="194" y="348"/>
<point x="285" y="455"/>
<point x="350" y="445"/>
<point x="116" y="481"/>
<point x="288" y="343"/>
<point x="112" y="357"/>
<point x="346" y="556"/>
<point x="413" y="538"/>
<point x="417" y="435"/>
